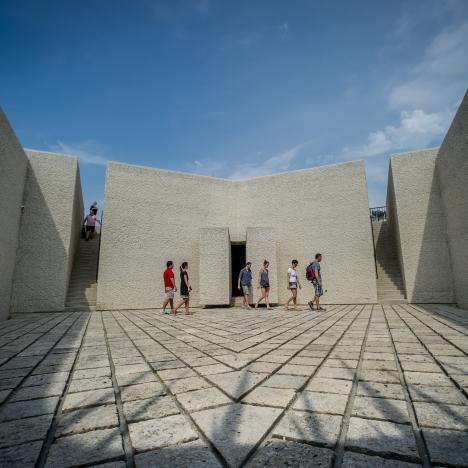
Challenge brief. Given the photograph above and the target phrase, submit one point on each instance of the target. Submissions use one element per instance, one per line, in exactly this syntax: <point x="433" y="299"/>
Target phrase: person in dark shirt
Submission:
<point x="316" y="281"/>
<point x="185" y="289"/>
<point x="245" y="283"/>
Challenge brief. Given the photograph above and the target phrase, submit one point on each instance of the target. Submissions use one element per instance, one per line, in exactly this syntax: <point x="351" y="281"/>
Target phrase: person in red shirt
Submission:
<point x="169" y="287"/>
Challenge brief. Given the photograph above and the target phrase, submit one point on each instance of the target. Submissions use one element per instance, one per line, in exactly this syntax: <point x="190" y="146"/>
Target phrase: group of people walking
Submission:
<point x="293" y="283"/>
<point x="244" y="284"/>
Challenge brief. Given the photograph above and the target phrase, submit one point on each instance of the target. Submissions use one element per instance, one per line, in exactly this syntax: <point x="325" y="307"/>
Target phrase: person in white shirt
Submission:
<point x="293" y="284"/>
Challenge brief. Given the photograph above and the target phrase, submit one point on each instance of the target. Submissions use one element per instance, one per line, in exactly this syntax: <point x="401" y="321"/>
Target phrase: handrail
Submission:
<point x="378" y="213"/>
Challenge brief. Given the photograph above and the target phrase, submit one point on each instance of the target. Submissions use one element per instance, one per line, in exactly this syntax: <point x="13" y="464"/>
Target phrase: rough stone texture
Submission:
<point x="418" y="217"/>
<point x="151" y="408"/>
<point x="285" y="381"/>
<point x="381" y="390"/>
<point x="353" y="460"/>
<point x="24" y="430"/>
<point x="236" y="428"/>
<point x="87" y="419"/>
<point x="381" y="408"/>
<point x="235" y="384"/>
<point x="13" y="168"/>
<point x="90" y="447"/>
<point x="136" y="203"/>
<point x="50" y="222"/>
<point x="452" y="170"/>
<point x="267" y="396"/>
<point x="442" y="416"/>
<point x="447" y="446"/>
<point x="142" y="391"/>
<point x="26" y="409"/>
<point x="279" y="453"/>
<point x="157" y="433"/>
<point x="90" y="398"/>
<point x="201" y="399"/>
<point x="318" y="402"/>
<point x="317" y="384"/>
<point x="20" y="456"/>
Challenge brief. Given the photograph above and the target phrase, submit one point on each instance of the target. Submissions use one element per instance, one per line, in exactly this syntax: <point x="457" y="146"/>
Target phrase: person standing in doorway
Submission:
<point x="245" y="283"/>
<point x="293" y="284"/>
<point x="315" y="277"/>
<point x="90" y="224"/>
<point x="169" y="287"/>
<point x="185" y="289"/>
<point x="264" y="284"/>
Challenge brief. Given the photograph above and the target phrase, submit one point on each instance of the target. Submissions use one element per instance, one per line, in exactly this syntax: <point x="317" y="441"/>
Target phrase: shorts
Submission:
<point x="247" y="290"/>
<point x="292" y="285"/>
<point x="169" y="293"/>
<point x="318" y="288"/>
<point x="89" y="228"/>
<point x="185" y="296"/>
<point x="264" y="285"/>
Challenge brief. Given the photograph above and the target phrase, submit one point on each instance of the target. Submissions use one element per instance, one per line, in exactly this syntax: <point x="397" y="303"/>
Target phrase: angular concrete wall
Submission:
<point x="48" y="233"/>
<point x="13" y="167"/>
<point x="153" y="216"/>
<point x="417" y="214"/>
<point x="452" y="170"/>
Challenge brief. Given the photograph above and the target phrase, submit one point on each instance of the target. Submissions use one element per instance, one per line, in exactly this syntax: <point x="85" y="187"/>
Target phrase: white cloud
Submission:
<point x="88" y="151"/>
<point x="284" y="30"/>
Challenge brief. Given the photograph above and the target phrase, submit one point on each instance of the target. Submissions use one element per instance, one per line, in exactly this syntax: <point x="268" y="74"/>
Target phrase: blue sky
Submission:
<point x="232" y="89"/>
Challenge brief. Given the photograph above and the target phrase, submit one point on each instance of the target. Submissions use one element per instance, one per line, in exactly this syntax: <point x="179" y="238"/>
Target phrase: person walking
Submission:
<point x="264" y="284"/>
<point x="315" y="277"/>
<point x="185" y="289"/>
<point x="244" y="283"/>
<point x="94" y="207"/>
<point x="293" y="284"/>
<point x="90" y="224"/>
<point x="169" y="287"/>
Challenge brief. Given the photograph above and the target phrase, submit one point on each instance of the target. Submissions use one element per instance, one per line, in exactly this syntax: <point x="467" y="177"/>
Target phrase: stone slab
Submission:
<point x="318" y="402"/>
<point x="381" y="408"/>
<point x="236" y="383"/>
<point x="268" y="396"/>
<point x="447" y="447"/>
<point x="285" y="381"/>
<point x="151" y="408"/>
<point x="381" y="390"/>
<point x="26" y="409"/>
<point x="20" y="456"/>
<point x="353" y="460"/>
<point x="317" y="384"/>
<point x="90" y="398"/>
<point x="141" y="391"/>
<point x="24" y="430"/>
<point x="87" y="419"/>
<point x="201" y="399"/>
<point x="442" y="416"/>
<point x="188" y="384"/>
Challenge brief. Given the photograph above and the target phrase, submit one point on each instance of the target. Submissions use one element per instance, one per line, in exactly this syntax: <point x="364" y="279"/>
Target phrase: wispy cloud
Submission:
<point x="88" y="151"/>
<point x="283" y="29"/>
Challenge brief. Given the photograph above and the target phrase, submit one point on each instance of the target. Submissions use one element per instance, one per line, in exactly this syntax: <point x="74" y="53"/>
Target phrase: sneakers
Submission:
<point x="163" y="312"/>
<point x="311" y="305"/>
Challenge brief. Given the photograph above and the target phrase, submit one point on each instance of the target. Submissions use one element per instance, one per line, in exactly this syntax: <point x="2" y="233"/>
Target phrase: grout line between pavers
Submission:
<point x="420" y="443"/>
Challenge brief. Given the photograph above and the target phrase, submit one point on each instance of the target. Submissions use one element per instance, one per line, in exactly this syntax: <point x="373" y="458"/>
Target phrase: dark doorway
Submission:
<point x="237" y="263"/>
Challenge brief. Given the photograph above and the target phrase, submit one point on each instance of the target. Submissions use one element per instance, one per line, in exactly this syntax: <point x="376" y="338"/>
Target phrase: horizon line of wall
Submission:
<point x="41" y="198"/>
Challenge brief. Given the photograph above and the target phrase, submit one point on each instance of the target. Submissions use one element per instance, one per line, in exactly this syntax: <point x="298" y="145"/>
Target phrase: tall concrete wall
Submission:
<point x="13" y="167"/>
<point x="417" y="214"/>
<point x="48" y="233"/>
<point x="452" y="169"/>
<point x="153" y="216"/>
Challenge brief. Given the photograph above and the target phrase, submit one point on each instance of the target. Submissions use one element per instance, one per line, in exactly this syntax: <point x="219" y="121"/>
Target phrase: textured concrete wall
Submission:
<point x="452" y="169"/>
<point x="13" y="167"/>
<point x="421" y="227"/>
<point x="153" y="216"/>
<point x="46" y="240"/>
<point x="261" y="245"/>
<point x="214" y="266"/>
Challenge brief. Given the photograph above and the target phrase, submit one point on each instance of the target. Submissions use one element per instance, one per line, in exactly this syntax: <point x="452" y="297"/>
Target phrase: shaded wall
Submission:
<point x="153" y="216"/>
<point x="48" y="233"/>
<point x="13" y="167"/>
<point x="417" y="215"/>
<point x="452" y="170"/>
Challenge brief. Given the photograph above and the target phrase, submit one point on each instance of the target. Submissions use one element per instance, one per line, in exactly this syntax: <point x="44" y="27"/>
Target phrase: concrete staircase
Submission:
<point x="82" y="289"/>
<point x="390" y="286"/>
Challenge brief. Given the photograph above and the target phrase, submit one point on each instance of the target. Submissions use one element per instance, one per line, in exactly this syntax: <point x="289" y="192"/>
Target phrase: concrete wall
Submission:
<point x="417" y="212"/>
<point x="153" y="216"/>
<point x="452" y="169"/>
<point x="13" y="167"/>
<point x="48" y="233"/>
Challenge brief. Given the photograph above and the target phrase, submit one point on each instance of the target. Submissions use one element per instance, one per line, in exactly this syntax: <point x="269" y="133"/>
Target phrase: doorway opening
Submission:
<point x="237" y="263"/>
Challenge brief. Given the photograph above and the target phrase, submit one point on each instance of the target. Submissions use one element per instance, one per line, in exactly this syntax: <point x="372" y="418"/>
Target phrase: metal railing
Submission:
<point x="378" y="213"/>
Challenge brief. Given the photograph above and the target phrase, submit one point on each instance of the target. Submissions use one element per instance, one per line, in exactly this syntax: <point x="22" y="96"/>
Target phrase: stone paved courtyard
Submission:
<point x="356" y="385"/>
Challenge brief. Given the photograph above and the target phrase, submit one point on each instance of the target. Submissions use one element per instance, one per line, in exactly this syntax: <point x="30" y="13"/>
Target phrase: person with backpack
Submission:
<point x="293" y="283"/>
<point x="314" y="276"/>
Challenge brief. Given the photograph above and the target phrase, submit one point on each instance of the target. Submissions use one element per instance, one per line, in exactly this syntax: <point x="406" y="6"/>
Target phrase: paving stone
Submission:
<point x="447" y="447"/>
<point x="135" y="378"/>
<point x="9" y="383"/>
<point x="266" y="367"/>
<point x="278" y="453"/>
<point x="379" y="365"/>
<point x="381" y="408"/>
<point x="347" y="363"/>
<point x="142" y="391"/>
<point x="381" y="390"/>
<point x="236" y="383"/>
<point x="427" y="378"/>
<point x="442" y="416"/>
<point x="212" y="369"/>
<point x="201" y="399"/>
<point x="87" y="419"/>
<point x="336" y="373"/>
<point x="381" y="437"/>
<point x="157" y="433"/>
<point x="285" y="381"/>
<point x="131" y="369"/>
<point x="420" y="366"/>
<point x="92" y="373"/>
<point x="46" y="379"/>
<point x="151" y="408"/>
<point x="189" y="455"/>
<point x="39" y="391"/>
<point x="293" y="369"/>
<point x="437" y="394"/>
<point x="379" y="376"/>
<point x="83" y="385"/>
<point x="235" y="429"/>
<point x="20" y="456"/>
<point x="24" y="430"/>
<point x="321" y="402"/>
<point x="176" y="373"/>
<point x="26" y="409"/>
<point x="80" y="449"/>
<point x="378" y="356"/>
<point x="268" y="396"/>
<point x="320" y="429"/>
<point x="4" y="394"/>
<point x="353" y="460"/>
<point x="188" y="384"/>
<point x="342" y="387"/>
<point x="90" y="398"/>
